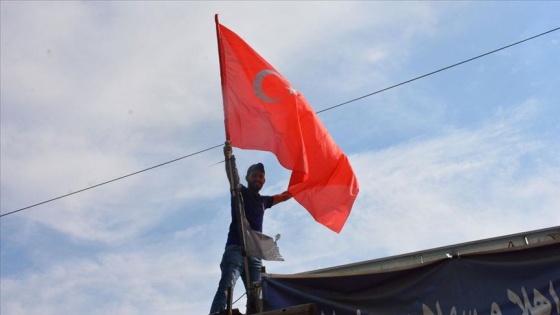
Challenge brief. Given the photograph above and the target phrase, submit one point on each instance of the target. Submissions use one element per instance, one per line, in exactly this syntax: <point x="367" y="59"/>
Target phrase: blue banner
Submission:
<point x="518" y="281"/>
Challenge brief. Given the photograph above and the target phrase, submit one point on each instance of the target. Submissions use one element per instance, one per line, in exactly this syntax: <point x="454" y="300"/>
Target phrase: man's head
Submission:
<point x="255" y="177"/>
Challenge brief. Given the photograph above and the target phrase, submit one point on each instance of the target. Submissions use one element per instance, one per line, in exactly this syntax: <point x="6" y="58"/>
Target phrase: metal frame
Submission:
<point x="502" y="243"/>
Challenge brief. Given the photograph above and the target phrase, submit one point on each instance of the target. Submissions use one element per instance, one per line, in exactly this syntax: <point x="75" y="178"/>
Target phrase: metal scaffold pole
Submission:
<point x="233" y="176"/>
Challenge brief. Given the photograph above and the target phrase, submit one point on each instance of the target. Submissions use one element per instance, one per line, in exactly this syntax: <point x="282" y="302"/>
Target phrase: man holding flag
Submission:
<point x="232" y="264"/>
<point x="263" y="111"/>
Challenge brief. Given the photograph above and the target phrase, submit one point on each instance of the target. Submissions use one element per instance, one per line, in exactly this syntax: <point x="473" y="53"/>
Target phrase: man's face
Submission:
<point x="255" y="180"/>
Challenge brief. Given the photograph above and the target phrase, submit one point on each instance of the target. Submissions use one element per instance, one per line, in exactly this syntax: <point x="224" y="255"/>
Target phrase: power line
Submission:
<point x="440" y="70"/>
<point x="110" y="181"/>
<point x="318" y="112"/>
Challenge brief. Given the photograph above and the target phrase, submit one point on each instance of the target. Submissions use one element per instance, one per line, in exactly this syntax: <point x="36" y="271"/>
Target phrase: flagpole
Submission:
<point x="222" y="72"/>
<point x="233" y="177"/>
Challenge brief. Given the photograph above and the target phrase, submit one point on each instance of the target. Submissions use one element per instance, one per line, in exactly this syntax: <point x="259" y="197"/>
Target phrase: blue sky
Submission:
<point x="91" y="91"/>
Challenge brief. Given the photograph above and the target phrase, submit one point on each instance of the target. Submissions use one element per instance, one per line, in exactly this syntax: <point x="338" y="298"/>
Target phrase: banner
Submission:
<point x="520" y="282"/>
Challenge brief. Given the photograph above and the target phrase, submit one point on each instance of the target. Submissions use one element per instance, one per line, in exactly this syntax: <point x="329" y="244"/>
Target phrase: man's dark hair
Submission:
<point x="255" y="167"/>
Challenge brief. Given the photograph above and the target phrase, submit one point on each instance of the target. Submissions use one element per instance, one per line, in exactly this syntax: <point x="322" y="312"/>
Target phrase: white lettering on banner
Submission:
<point x="539" y="306"/>
<point x="358" y="312"/>
<point x="427" y="311"/>
<point x="495" y="309"/>
<point x="555" y="297"/>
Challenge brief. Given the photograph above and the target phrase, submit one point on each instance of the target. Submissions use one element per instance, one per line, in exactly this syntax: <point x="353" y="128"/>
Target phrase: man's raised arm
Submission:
<point x="281" y="197"/>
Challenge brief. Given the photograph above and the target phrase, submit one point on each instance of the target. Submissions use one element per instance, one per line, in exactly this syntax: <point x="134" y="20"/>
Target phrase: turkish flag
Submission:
<point x="263" y="111"/>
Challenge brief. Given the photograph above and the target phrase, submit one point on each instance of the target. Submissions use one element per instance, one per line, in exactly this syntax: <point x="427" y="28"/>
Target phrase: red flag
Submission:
<point x="263" y="111"/>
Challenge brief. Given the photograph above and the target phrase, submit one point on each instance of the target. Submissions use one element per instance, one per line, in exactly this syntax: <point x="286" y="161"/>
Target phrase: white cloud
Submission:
<point x="464" y="185"/>
<point x="96" y="90"/>
<point x="140" y="282"/>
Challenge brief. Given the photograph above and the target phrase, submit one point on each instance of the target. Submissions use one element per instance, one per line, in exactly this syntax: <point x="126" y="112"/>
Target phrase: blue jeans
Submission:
<point x="232" y="268"/>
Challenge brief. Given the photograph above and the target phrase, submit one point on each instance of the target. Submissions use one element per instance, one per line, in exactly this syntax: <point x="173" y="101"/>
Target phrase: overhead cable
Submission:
<point x="110" y="181"/>
<point x="318" y="112"/>
<point x="434" y="72"/>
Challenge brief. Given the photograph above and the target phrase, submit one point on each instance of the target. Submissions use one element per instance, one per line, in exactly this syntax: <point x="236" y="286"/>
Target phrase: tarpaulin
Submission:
<point x="520" y="281"/>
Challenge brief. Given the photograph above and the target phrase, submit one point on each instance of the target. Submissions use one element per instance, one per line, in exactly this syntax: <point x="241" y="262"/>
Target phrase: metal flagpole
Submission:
<point x="235" y="189"/>
<point x="233" y="177"/>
